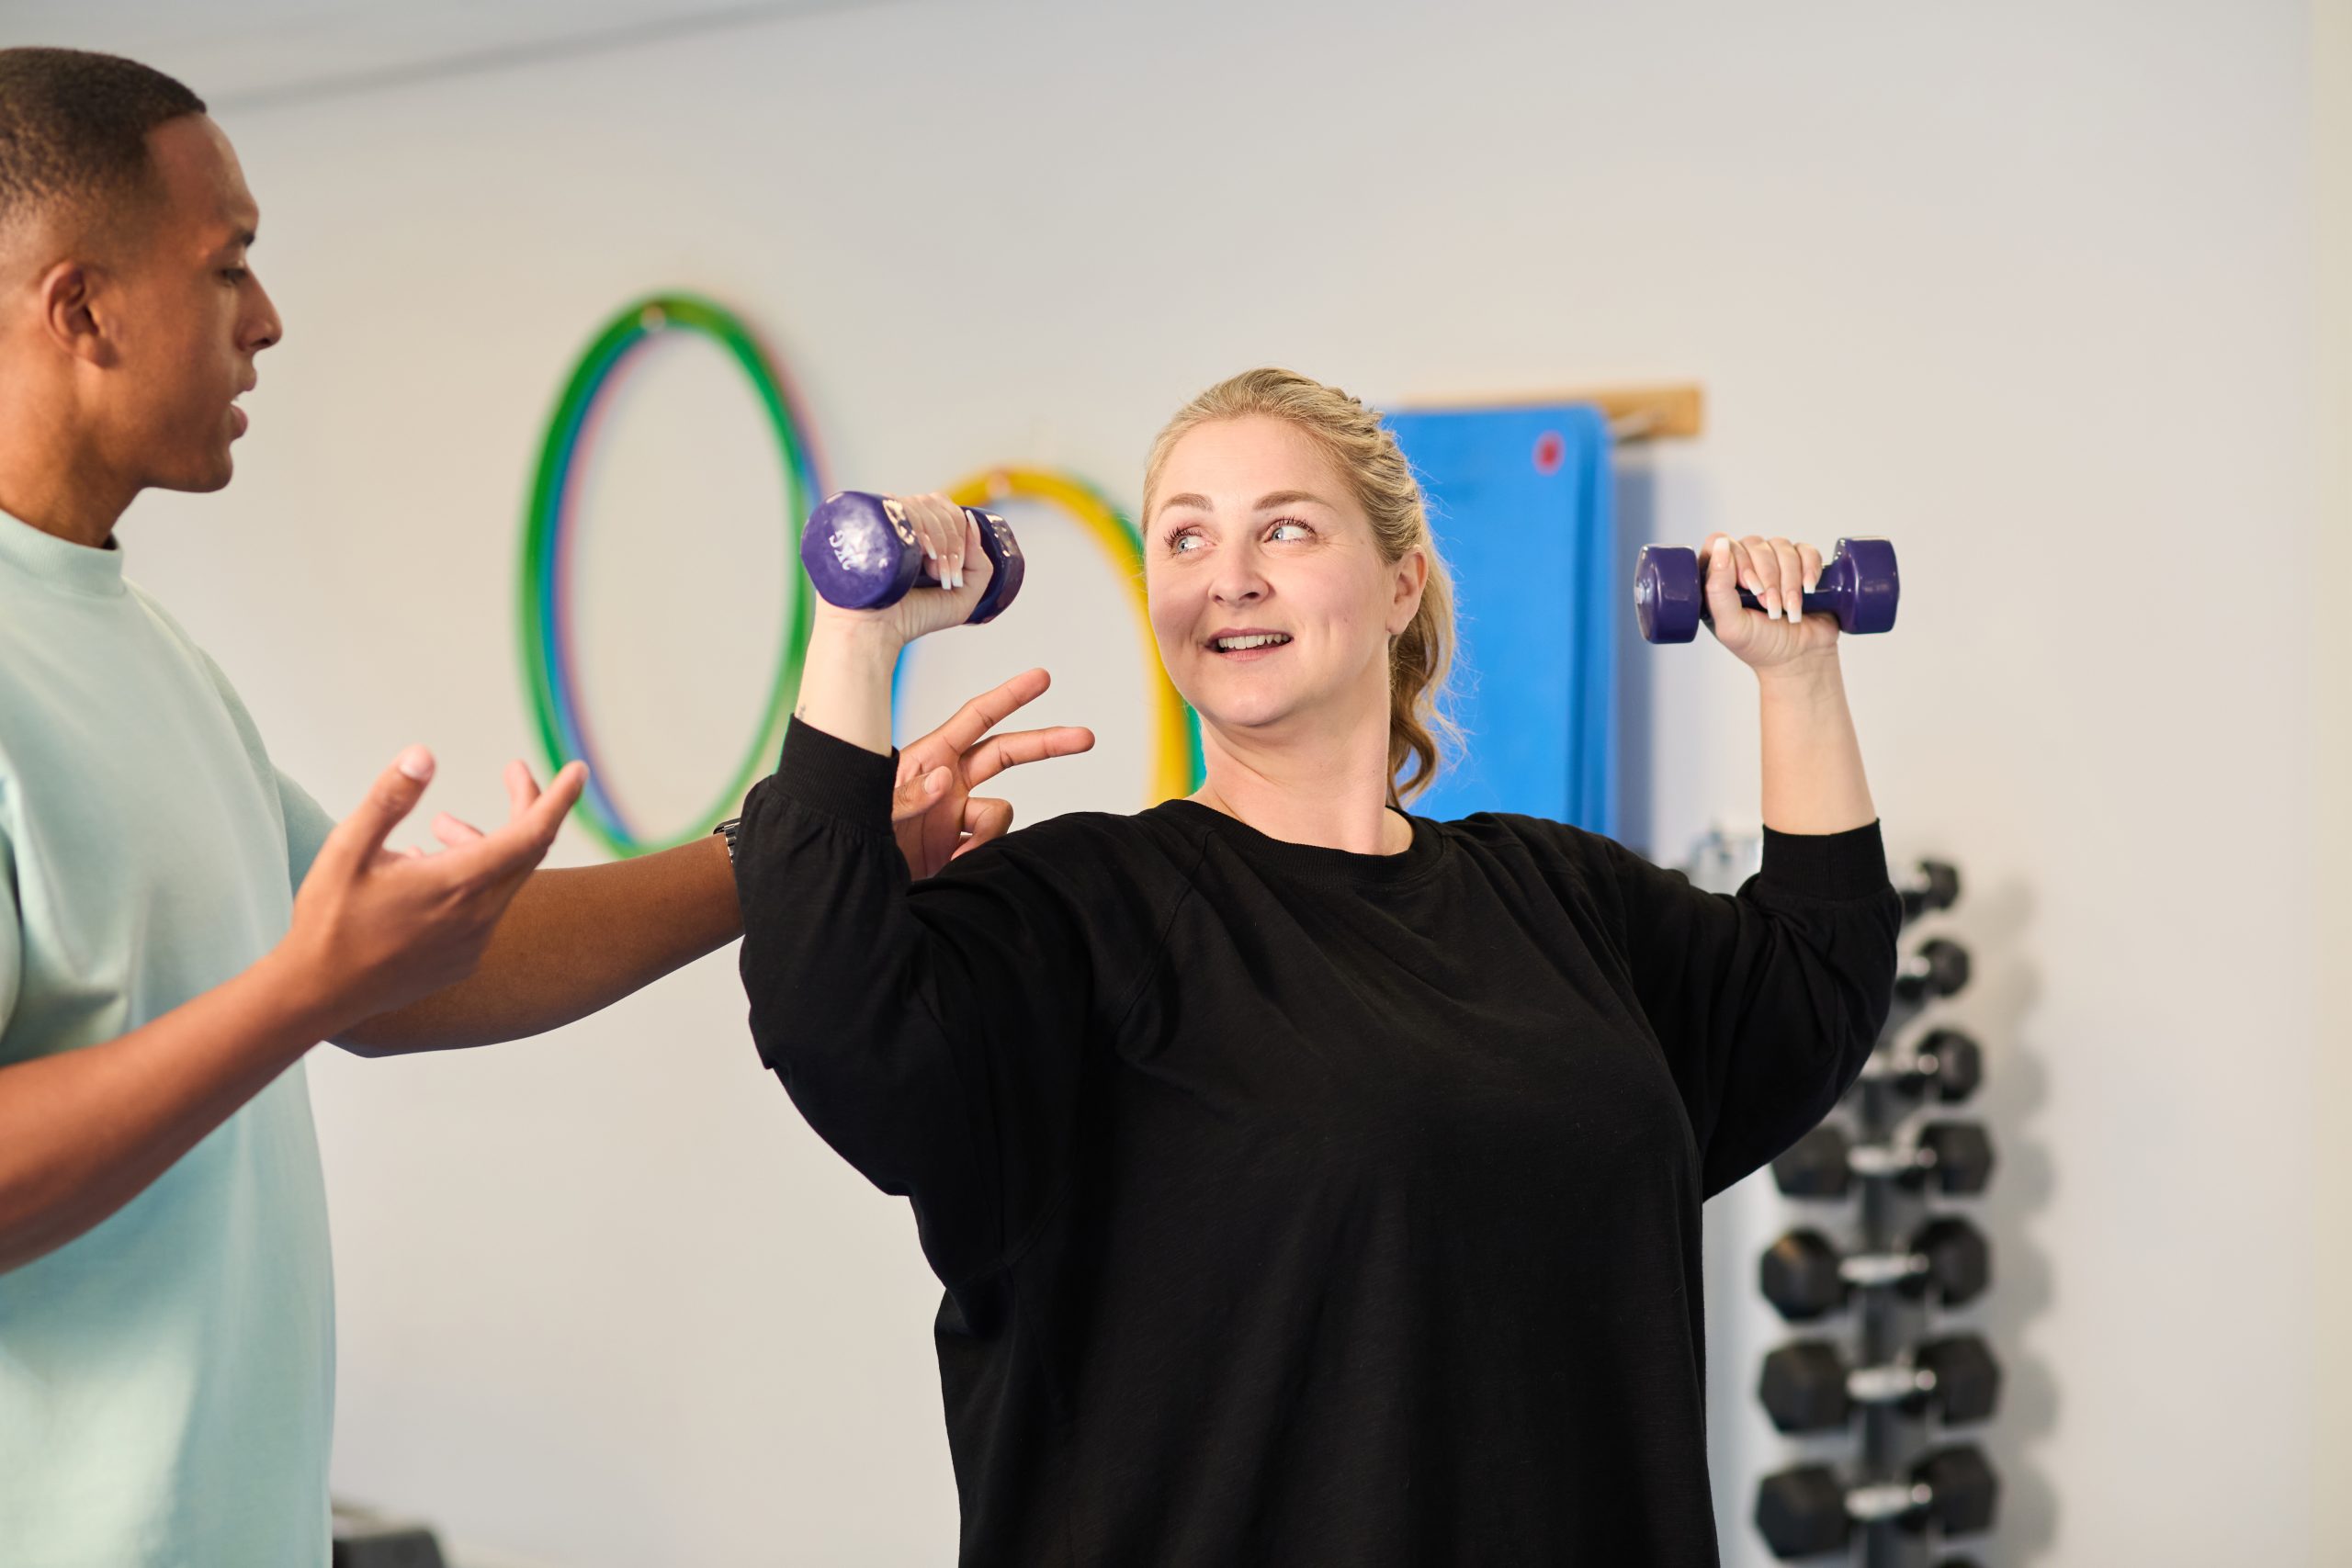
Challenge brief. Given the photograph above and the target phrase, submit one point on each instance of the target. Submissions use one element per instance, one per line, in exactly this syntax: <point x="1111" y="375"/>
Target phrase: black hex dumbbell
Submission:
<point x="1933" y="884"/>
<point x="1804" y="1277"/>
<point x="1807" y="1510"/>
<point x="1937" y="967"/>
<point x="1808" y="1387"/>
<point x="1944" y="1060"/>
<point x="1956" y="1155"/>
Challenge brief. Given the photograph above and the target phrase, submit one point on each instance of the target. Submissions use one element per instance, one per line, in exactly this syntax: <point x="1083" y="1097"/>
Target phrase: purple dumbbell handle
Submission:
<point x="1858" y="585"/>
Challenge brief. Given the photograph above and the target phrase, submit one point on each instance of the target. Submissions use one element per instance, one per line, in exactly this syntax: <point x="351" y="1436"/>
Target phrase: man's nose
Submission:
<point x="266" y="330"/>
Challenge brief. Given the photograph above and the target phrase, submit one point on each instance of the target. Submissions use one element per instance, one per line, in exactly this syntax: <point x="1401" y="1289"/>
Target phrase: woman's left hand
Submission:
<point x="1778" y="573"/>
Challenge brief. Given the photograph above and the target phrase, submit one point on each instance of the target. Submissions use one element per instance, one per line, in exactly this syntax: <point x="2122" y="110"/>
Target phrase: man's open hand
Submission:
<point x="933" y="811"/>
<point x="375" y="928"/>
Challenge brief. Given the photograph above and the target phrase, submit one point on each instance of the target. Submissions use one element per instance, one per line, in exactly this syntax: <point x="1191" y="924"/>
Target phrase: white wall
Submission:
<point x="2332" y="715"/>
<point x="2027" y="287"/>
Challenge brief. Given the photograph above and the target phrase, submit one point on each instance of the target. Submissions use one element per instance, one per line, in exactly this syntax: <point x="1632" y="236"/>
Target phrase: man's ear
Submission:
<point x="70" y="309"/>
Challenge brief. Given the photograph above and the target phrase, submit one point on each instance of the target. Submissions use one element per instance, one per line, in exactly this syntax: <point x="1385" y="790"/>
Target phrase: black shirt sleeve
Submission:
<point x="1766" y="1002"/>
<point x="930" y="1031"/>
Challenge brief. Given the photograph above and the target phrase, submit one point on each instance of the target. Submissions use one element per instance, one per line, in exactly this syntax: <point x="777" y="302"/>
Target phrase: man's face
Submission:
<point x="187" y="317"/>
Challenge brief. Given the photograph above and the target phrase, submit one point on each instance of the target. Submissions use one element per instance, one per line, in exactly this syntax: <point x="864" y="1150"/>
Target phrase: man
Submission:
<point x="179" y="922"/>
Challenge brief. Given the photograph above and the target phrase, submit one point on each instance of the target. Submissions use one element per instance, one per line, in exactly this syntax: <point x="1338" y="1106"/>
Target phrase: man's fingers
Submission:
<point x="994" y="755"/>
<point x="454" y="832"/>
<point x="523" y="842"/>
<point x="522" y="789"/>
<point x="555" y="803"/>
<point x="984" y="819"/>
<point x="979" y="716"/>
<point x="393" y="796"/>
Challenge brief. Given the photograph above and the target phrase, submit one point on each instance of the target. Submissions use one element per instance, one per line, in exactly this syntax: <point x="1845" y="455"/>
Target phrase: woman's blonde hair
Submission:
<point x="1368" y="457"/>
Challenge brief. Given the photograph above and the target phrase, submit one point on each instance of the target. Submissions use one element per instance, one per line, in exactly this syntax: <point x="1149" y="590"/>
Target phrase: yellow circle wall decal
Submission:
<point x="1175" y="729"/>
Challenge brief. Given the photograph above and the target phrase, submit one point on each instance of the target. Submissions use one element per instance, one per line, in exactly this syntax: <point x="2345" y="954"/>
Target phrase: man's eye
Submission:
<point x="235" y="273"/>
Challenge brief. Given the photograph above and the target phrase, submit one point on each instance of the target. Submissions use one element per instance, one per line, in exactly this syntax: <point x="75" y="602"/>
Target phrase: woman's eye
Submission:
<point x="1183" y="544"/>
<point x="1297" y="530"/>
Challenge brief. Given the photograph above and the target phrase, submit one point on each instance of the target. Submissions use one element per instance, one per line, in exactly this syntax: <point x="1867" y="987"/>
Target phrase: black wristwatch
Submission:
<point x="728" y="830"/>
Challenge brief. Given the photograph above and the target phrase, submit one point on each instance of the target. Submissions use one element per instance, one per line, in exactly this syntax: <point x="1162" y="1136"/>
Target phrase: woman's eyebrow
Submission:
<point x="1289" y="498"/>
<point x="1266" y="503"/>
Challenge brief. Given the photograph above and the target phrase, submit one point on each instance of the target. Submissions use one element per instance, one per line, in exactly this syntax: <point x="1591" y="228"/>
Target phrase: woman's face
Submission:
<point x="1270" y="600"/>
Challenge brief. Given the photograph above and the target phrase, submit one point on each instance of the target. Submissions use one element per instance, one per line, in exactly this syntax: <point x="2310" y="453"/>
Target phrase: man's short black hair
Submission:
<point x="73" y="128"/>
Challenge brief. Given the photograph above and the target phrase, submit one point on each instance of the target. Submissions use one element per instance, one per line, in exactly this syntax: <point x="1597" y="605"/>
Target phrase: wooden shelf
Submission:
<point x="1675" y="411"/>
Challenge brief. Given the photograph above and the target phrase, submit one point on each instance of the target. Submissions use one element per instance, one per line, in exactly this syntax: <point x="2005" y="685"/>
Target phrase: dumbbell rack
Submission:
<point x="1880" y="1332"/>
<point x="1887" y="1328"/>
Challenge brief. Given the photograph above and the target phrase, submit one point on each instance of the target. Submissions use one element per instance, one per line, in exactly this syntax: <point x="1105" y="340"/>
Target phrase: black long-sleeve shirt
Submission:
<point x="1304" y="1207"/>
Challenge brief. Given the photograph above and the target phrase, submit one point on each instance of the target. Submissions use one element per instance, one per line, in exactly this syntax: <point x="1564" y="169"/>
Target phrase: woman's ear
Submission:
<point x="1412" y="572"/>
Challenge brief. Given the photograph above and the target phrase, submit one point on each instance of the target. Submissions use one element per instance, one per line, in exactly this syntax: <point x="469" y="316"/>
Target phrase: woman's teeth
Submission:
<point x="1257" y="639"/>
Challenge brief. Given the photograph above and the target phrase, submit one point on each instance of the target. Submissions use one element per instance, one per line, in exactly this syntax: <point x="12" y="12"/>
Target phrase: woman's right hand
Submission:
<point x="955" y="573"/>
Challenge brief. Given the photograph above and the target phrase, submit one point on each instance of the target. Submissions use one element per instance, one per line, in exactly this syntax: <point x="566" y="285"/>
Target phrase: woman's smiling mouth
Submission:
<point x="1247" y="643"/>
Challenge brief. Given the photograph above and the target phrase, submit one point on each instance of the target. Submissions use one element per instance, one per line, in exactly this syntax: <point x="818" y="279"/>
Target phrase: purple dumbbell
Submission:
<point x="862" y="554"/>
<point x="1858" y="585"/>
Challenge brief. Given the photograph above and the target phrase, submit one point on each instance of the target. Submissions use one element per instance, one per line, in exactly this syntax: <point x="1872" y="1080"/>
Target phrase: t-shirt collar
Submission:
<point x="60" y="563"/>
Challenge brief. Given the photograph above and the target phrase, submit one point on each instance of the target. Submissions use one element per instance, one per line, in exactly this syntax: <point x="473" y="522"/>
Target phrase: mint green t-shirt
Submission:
<point x="167" y="1378"/>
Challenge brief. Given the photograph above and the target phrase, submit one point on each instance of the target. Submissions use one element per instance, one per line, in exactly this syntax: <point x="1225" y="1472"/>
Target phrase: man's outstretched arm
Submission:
<point x="574" y="941"/>
<point x="83" y="1132"/>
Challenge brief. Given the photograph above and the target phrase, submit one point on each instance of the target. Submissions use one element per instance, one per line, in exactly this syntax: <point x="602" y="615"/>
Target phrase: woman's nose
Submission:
<point x="1237" y="582"/>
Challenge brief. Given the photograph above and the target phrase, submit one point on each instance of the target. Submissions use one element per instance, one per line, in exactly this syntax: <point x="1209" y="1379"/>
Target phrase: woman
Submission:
<point x="1312" y="1182"/>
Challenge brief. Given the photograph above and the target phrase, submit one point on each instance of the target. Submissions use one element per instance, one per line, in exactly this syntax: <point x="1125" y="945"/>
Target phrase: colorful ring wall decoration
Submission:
<point x="548" y="620"/>
<point x="547" y="616"/>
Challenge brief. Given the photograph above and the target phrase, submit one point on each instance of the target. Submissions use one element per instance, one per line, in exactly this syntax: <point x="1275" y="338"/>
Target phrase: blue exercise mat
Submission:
<point x="1521" y="501"/>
